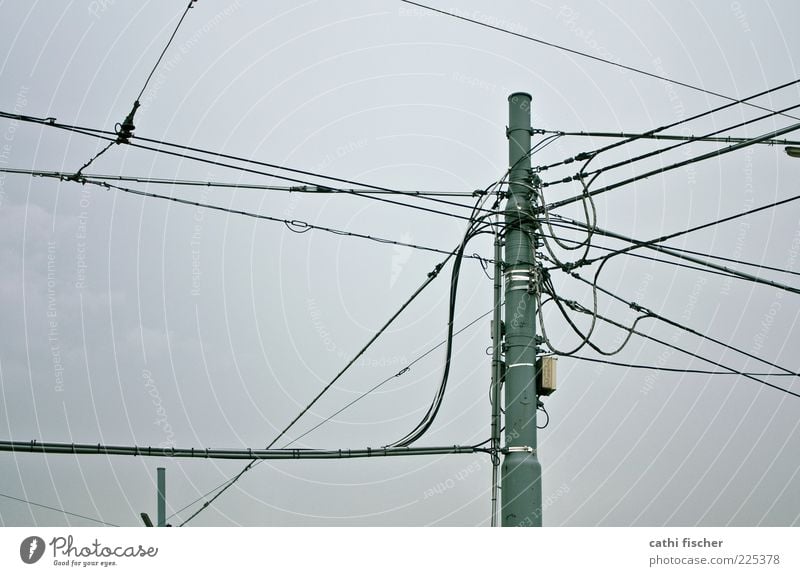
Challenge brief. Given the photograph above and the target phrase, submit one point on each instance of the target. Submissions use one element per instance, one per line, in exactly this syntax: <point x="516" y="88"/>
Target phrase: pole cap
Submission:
<point x="519" y="94"/>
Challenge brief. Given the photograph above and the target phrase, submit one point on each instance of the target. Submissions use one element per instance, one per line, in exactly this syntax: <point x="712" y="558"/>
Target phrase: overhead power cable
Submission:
<point x="655" y="131"/>
<point x="677" y="264"/>
<point x="673" y="235"/>
<point x="577" y="52"/>
<point x="428" y="418"/>
<point x="578" y="308"/>
<point x="124" y="130"/>
<point x="164" y="51"/>
<point x="230" y="454"/>
<point x="597" y="171"/>
<point x="631" y="136"/>
<point x="654" y="245"/>
<point x="58" y="509"/>
<point x="296" y="226"/>
<point x="401" y="372"/>
<point x="233" y="185"/>
<point x="656" y="316"/>
<point x="108" y="136"/>
<point x="431" y="276"/>
<point x="458" y="253"/>
<point x="661" y="170"/>
<point x="634" y="244"/>
<point x="668" y="369"/>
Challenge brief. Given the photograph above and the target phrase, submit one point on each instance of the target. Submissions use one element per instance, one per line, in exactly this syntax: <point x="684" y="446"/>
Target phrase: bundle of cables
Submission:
<point x="477" y="226"/>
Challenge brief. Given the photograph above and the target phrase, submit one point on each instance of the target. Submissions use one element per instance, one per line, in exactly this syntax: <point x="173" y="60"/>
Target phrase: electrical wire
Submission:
<point x="131" y="141"/>
<point x="401" y="372"/>
<point x="296" y="226"/>
<point x="653" y="153"/>
<point x="541" y="408"/>
<point x="678" y="254"/>
<point x="428" y="418"/>
<point x="668" y="369"/>
<point x="233" y="185"/>
<point x="651" y="314"/>
<point x="95" y="157"/>
<point x="164" y="51"/>
<point x="585" y="336"/>
<point x="24" y="501"/>
<point x="653" y="133"/>
<point x="673" y="235"/>
<point x="578" y="52"/>
<point x="458" y="253"/>
<point x="124" y="130"/>
<point x="678" y="264"/>
<point x="579" y="308"/>
<point x="379" y="385"/>
<point x="631" y="136"/>
<point x="629" y="252"/>
<point x="663" y="169"/>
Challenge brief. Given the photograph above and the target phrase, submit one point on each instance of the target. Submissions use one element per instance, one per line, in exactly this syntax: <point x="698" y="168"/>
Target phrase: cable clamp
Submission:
<point x="510" y="449"/>
<point x="435" y="272"/>
<point x="642" y="309"/>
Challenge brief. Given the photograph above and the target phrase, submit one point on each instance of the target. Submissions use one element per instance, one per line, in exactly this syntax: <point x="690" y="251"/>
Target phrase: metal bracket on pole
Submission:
<point x="512" y="449"/>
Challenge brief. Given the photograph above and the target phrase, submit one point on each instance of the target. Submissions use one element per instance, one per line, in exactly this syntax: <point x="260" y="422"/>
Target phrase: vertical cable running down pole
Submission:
<point x="497" y="370"/>
<point x="521" y="497"/>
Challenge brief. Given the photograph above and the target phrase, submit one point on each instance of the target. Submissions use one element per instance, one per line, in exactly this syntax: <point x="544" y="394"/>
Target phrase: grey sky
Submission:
<point x="135" y="321"/>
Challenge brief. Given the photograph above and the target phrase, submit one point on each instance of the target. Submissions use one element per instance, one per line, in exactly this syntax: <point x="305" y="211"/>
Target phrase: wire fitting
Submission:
<point x="435" y="272"/>
<point x="125" y="130"/>
<point x="639" y="308"/>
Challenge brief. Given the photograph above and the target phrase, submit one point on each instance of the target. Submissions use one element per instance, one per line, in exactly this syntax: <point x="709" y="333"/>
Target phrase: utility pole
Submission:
<point x="521" y="496"/>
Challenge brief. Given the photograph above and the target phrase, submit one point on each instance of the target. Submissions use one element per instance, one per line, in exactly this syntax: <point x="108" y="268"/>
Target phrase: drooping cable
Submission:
<point x="428" y="418"/>
<point x="401" y="372"/>
<point x="431" y="276"/>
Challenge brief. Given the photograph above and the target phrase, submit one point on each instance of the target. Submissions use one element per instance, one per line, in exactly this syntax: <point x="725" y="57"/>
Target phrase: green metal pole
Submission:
<point x="162" y="497"/>
<point x="521" y="496"/>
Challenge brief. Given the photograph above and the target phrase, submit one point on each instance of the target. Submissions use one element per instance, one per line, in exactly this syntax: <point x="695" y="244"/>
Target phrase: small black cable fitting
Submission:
<point x="540" y="406"/>
<point x="125" y="130"/>
<point x="639" y="308"/>
<point x="435" y="272"/>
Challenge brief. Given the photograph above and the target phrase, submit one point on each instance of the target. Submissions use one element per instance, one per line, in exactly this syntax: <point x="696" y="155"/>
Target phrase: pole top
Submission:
<point x="519" y="94"/>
